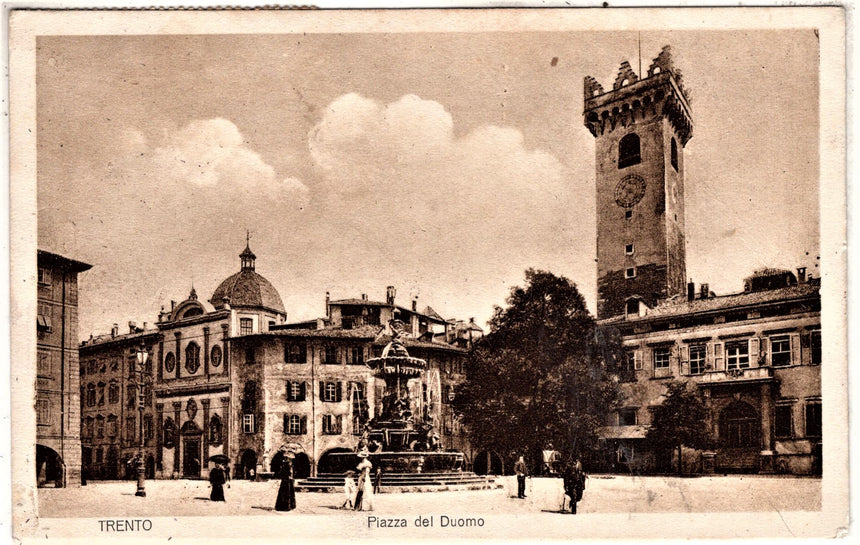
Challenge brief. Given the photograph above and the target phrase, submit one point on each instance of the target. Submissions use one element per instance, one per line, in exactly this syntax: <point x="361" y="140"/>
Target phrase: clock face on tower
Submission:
<point x="629" y="191"/>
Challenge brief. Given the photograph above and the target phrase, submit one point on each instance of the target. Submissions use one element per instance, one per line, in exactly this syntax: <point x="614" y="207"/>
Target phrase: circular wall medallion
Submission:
<point x="216" y="356"/>
<point x="629" y="191"/>
<point x="169" y="362"/>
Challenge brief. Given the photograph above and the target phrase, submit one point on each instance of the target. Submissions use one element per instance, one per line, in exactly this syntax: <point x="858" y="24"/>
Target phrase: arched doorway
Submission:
<point x="740" y="438"/>
<point x="336" y="464"/>
<point x="301" y="465"/>
<point x="50" y="469"/>
<point x="192" y="443"/>
<point x="247" y="465"/>
<point x="488" y="463"/>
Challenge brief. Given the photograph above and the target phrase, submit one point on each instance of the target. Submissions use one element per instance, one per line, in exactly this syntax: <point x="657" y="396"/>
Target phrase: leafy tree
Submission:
<point x="538" y="378"/>
<point x="681" y="420"/>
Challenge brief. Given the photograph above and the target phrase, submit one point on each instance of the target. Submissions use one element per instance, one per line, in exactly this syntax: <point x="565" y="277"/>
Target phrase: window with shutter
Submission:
<point x="304" y="425"/>
<point x="697" y="359"/>
<point x="684" y="356"/>
<point x="795" y="348"/>
<point x="718" y="357"/>
<point x="754" y="344"/>
<point x="737" y="355"/>
<point x="339" y="393"/>
<point x="813" y="419"/>
<point x="782" y="427"/>
<point x="637" y="361"/>
<point x="780" y="351"/>
<point x="815" y="348"/>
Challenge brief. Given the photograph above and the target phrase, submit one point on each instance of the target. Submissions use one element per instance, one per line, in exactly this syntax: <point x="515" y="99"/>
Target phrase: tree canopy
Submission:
<point x="680" y="420"/>
<point x="538" y="379"/>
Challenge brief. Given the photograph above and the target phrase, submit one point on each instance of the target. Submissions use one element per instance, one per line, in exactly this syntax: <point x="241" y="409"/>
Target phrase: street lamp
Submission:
<point x="142" y="356"/>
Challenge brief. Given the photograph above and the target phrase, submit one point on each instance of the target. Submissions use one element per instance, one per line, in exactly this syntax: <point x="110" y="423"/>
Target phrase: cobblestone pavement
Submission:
<point x="604" y="494"/>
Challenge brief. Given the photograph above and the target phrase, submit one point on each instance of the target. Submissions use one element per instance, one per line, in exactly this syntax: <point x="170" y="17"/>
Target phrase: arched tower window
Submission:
<point x="674" y="156"/>
<point x="628" y="151"/>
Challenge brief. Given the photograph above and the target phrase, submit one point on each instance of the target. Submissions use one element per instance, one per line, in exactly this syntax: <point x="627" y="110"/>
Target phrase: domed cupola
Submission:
<point x="247" y="289"/>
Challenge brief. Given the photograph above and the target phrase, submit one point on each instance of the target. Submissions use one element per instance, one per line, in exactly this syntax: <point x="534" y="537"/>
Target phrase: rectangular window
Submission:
<point x="629" y="364"/>
<point x="780" y="351"/>
<point x="248" y="423"/>
<point x="44" y="275"/>
<point x="627" y="417"/>
<point x="628" y="249"/>
<point x="815" y="348"/>
<point x="111" y="426"/>
<point x="99" y="455"/>
<point x="630" y="272"/>
<point x="246" y="326"/>
<point x="782" y="421"/>
<point x="113" y="393"/>
<point x="697" y="359"/>
<point x="147" y="428"/>
<point x="294" y="353"/>
<point x="737" y="355"/>
<point x="661" y="357"/>
<point x="295" y="390"/>
<point x="43" y="367"/>
<point x="294" y="424"/>
<point x="355" y="355"/>
<point x="100" y="427"/>
<point x="43" y="412"/>
<point x="330" y="355"/>
<point x="330" y="391"/>
<point x="130" y="428"/>
<point x="813" y="419"/>
<point x="43" y="319"/>
<point x="331" y="424"/>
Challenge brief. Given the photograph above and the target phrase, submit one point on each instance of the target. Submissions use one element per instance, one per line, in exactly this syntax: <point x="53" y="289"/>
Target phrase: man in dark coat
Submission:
<point x="574" y="483"/>
<point x="522" y="471"/>
<point x="217" y="478"/>
<point x="286" y="492"/>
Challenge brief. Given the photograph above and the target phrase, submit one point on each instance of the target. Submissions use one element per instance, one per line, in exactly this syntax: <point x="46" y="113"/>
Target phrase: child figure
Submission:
<point x="349" y="490"/>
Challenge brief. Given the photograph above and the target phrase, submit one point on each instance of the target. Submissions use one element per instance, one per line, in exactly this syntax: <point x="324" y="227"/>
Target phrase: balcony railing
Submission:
<point x="752" y="374"/>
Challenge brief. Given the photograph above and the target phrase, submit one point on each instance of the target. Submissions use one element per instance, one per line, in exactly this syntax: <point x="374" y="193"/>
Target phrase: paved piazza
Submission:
<point x="604" y="494"/>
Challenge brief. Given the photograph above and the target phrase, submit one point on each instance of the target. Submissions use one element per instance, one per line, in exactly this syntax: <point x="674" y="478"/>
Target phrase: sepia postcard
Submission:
<point x="475" y="274"/>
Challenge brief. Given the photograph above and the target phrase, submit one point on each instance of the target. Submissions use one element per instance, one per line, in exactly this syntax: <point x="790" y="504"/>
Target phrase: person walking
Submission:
<point x="286" y="492"/>
<point x="574" y="484"/>
<point x="364" y="498"/>
<point x="217" y="478"/>
<point x="349" y="490"/>
<point x="522" y="471"/>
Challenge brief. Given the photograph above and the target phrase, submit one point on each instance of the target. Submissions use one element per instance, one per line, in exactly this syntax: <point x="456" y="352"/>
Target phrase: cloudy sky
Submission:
<point x="442" y="164"/>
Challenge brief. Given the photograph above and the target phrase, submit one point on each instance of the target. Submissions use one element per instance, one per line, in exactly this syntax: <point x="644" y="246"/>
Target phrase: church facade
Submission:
<point x="233" y="378"/>
<point x="755" y="355"/>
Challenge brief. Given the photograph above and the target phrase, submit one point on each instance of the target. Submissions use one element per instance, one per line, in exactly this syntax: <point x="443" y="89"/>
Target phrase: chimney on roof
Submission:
<point x="801" y="275"/>
<point x="704" y="291"/>
<point x="132" y="327"/>
<point x="172" y="305"/>
<point x="327" y="305"/>
<point x="364" y="297"/>
<point x="691" y="290"/>
<point x="415" y="304"/>
<point x="114" y="331"/>
<point x="144" y="326"/>
<point x="390" y="292"/>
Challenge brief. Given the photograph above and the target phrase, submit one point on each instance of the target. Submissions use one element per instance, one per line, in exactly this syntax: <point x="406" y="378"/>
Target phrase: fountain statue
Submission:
<point x="402" y="437"/>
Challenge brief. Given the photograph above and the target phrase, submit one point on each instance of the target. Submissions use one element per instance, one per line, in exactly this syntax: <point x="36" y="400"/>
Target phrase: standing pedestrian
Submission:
<point x="217" y="478"/>
<point x="377" y="481"/>
<point x="286" y="492"/>
<point x="574" y="483"/>
<point x="522" y="471"/>
<point x="349" y="490"/>
<point x="364" y="498"/>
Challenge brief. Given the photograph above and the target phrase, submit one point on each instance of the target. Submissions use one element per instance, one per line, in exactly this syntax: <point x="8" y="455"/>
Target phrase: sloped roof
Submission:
<point x="724" y="302"/>
<point x="359" y="302"/>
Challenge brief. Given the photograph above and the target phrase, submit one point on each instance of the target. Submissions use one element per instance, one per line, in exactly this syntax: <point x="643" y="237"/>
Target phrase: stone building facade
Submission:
<point x="754" y="355"/>
<point x="110" y="413"/>
<point x="233" y="378"/>
<point x="57" y="403"/>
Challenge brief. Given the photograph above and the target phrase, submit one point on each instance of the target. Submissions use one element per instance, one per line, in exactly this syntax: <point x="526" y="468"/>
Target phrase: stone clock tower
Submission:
<point x="640" y="128"/>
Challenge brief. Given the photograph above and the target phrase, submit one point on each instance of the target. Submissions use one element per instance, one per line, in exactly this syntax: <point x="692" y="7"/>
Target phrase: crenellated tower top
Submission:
<point x="661" y="93"/>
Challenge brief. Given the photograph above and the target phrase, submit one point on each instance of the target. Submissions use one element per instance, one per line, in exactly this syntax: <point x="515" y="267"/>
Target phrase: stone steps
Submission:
<point x="405" y="482"/>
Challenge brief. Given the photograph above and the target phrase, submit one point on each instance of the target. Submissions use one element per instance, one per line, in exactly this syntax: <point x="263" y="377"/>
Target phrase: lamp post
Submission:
<point x="142" y="356"/>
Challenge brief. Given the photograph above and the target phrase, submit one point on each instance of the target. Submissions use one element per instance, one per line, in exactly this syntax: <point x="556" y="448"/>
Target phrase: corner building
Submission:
<point x="754" y="355"/>
<point x="58" y="417"/>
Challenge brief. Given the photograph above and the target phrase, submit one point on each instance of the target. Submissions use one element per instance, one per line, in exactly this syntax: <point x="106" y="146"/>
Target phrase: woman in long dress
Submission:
<point x="364" y="498"/>
<point x="217" y="478"/>
<point x="286" y="492"/>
